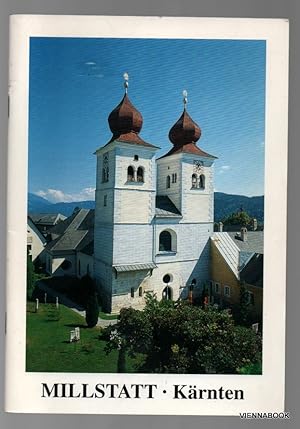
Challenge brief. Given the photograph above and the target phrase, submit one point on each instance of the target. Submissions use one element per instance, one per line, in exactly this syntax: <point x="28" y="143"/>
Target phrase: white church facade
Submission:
<point x="153" y="217"/>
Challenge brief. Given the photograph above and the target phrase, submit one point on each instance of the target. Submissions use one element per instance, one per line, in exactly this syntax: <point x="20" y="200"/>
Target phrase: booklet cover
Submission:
<point x="147" y="183"/>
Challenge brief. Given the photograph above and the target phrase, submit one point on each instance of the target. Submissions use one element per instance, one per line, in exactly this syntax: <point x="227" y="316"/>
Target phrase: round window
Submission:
<point x="167" y="278"/>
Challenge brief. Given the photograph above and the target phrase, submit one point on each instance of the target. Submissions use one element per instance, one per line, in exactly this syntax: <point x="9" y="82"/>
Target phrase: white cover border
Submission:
<point x="263" y="393"/>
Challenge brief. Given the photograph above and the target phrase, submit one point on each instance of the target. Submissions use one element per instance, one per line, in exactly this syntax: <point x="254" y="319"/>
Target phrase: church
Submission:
<point x="153" y="217"/>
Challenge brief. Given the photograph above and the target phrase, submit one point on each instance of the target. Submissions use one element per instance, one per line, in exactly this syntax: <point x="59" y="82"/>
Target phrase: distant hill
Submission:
<point x="38" y="204"/>
<point x="225" y="204"/>
<point x="68" y="208"/>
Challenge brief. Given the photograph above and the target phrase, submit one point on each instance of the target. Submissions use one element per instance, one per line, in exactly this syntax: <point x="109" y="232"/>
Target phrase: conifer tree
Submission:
<point x="92" y="310"/>
<point x="30" y="277"/>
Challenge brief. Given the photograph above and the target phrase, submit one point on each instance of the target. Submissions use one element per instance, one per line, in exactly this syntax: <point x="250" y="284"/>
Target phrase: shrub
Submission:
<point x="176" y="337"/>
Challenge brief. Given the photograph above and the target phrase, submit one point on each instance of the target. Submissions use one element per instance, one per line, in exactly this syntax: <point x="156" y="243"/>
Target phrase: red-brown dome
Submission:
<point x="184" y="135"/>
<point x="185" y="131"/>
<point x="125" y="118"/>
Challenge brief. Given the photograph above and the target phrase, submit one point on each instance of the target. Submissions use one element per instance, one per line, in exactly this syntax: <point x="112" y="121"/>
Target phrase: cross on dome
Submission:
<point x="185" y="94"/>
<point x="126" y="79"/>
<point x="185" y="130"/>
<point x="185" y="133"/>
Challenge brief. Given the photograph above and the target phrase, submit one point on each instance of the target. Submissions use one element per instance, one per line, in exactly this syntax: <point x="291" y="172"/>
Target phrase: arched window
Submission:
<point x="167" y="293"/>
<point x="140" y="174"/>
<point x="130" y="174"/>
<point x="202" y="181"/>
<point x="105" y="168"/>
<point x="165" y="241"/>
<point x="194" y="181"/>
<point x="193" y="284"/>
<point x="140" y="291"/>
<point x="168" y="181"/>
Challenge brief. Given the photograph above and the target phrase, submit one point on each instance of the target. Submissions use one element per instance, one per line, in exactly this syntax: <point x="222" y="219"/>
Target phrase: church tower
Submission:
<point x="185" y="179"/>
<point x="185" y="173"/>
<point x="125" y="207"/>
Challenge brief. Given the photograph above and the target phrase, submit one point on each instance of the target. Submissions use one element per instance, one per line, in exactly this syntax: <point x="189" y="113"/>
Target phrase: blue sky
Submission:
<point x="75" y="83"/>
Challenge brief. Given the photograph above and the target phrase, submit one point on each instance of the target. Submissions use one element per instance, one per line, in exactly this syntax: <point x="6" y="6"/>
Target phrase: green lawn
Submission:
<point x="106" y="316"/>
<point x="49" y="350"/>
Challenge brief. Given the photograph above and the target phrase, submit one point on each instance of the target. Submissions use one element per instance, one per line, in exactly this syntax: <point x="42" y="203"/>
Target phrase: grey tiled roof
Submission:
<point x="228" y="249"/>
<point x="74" y="233"/>
<point x="252" y="273"/>
<point x="253" y="244"/>
<point x="243" y="257"/>
<point x="68" y="241"/>
<point x="61" y="227"/>
<point x="165" y="207"/>
<point x="134" y="267"/>
<point x="45" y="218"/>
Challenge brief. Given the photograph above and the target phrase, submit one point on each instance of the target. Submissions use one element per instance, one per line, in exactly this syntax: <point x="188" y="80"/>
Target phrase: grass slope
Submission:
<point x="48" y="348"/>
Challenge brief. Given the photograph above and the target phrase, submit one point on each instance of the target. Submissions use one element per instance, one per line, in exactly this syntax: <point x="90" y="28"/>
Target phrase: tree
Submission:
<point x="85" y="287"/>
<point x="92" y="310"/>
<point x="239" y="218"/>
<point x="242" y="312"/>
<point x="30" y="277"/>
<point x="176" y="337"/>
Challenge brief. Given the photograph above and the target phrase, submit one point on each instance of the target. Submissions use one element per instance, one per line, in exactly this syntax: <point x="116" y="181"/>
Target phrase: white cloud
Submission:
<point x="58" y="196"/>
<point x="91" y="69"/>
<point x="223" y="169"/>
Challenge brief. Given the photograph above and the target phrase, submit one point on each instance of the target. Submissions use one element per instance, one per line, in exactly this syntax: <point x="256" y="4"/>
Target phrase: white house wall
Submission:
<point x="36" y="241"/>
<point x="53" y="264"/>
<point x="86" y="264"/>
<point x="103" y="277"/>
<point x="125" y="158"/>
<point x="132" y="244"/>
<point x="133" y="206"/>
<point x="166" y="167"/>
<point x="191" y="240"/>
<point x="197" y="204"/>
<point x="182" y="274"/>
<point x="103" y="243"/>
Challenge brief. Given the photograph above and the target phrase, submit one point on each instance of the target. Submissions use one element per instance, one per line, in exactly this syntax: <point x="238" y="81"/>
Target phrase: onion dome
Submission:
<point x="125" y="121"/>
<point x="185" y="133"/>
<point x="125" y="118"/>
<point x="185" y="130"/>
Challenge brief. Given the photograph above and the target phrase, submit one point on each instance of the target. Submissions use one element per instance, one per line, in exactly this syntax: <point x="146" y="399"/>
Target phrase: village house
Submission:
<point x="236" y="259"/>
<point x="70" y="247"/>
<point x="35" y="241"/>
<point x="45" y="221"/>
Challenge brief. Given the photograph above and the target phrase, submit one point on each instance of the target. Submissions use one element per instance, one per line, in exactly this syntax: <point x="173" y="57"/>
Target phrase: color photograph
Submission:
<point x="145" y="226"/>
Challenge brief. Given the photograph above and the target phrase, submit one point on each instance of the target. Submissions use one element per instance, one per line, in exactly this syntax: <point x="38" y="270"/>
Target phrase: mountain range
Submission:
<point x="225" y="204"/>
